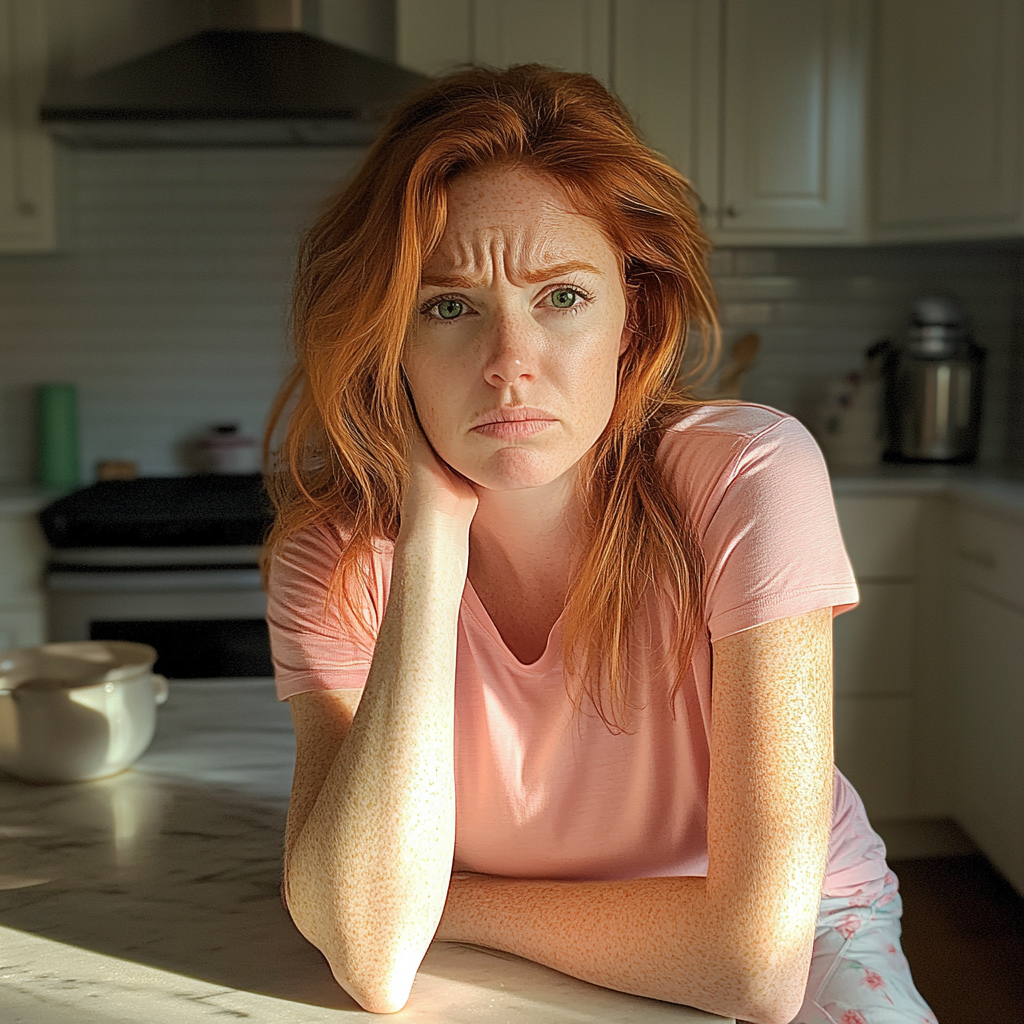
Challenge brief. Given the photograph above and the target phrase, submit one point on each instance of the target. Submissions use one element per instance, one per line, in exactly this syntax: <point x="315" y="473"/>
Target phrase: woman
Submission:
<point x="556" y="640"/>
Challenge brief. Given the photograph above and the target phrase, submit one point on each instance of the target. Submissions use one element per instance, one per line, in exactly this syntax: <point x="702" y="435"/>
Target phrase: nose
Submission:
<point x="512" y="355"/>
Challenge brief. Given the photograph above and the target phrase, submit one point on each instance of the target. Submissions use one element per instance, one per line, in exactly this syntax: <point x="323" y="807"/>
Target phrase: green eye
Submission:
<point x="563" y="298"/>
<point x="450" y="309"/>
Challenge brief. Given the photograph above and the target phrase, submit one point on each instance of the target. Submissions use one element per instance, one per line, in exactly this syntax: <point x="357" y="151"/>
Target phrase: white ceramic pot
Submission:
<point x="76" y="711"/>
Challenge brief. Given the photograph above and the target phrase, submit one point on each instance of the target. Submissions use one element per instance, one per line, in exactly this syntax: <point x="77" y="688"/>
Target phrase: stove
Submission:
<point x="168" y="561"/>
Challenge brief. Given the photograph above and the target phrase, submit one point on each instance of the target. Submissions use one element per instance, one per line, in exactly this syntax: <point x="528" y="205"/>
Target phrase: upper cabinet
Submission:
<point x="436" y="35"/>
<point x="948" y="119"/>
<point x="27" y="220"/>
<point x="759" y="105"/>
<point x="667" y="73"/>
<point x="563" y="33"/>
<point x="792" y="122"/>
<point x="799" y="122"/>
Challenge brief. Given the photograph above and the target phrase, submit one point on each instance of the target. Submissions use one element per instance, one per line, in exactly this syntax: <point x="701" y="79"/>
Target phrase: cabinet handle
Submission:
<point x="731" y="211"/>
<point x="983" y="559"/>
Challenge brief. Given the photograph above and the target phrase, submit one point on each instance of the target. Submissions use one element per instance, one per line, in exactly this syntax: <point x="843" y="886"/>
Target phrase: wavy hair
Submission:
<point x="343" y="456"/>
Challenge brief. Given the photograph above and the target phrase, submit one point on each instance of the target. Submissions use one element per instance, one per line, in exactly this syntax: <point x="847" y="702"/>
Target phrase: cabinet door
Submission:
<point x="792" y="158"/>
<point x="873" y="644"/>
<point x="666" y="64"/>
<point x="567" y="34"/>
<point x="880" y="534"/>
<point x="873" y="750"/>
<point x="989" y="724"/>
<point x="22" y="627"/>
<point x="22" y="557"/>
<point x="435" y="35"/>
<point x="949" y="118"/>
<point x="26" y="151"/>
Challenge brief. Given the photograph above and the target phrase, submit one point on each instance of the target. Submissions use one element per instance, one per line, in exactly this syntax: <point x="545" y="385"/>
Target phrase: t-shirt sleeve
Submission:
<point x="316" y="640"/>
<point x="773" y="546"/>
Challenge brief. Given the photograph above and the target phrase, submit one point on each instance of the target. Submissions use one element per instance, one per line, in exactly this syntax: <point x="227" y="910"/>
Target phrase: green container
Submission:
<point x="57" y="435"/>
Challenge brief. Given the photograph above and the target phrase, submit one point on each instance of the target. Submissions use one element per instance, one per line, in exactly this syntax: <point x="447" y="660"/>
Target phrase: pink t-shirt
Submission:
<point x="543" y="794"/>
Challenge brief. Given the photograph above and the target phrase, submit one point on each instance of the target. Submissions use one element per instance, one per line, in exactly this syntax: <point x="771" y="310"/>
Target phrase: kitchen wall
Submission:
<point x="167" y="304"/>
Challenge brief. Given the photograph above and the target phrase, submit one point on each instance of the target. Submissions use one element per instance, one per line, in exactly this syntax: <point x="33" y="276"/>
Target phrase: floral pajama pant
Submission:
<point x="859" y="974"/>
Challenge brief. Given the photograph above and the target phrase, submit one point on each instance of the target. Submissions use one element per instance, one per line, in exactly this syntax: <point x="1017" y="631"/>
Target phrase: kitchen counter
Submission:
<point x="986" y="487"/>
<point x="152" y="897"/>
<point x="24" y="499"/>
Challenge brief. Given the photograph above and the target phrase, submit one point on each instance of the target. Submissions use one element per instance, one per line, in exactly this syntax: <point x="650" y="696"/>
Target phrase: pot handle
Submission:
<point x="160" y="690"/>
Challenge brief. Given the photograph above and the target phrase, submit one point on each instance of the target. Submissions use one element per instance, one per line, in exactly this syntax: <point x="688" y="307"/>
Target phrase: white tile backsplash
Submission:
<point x="168" y="303"/>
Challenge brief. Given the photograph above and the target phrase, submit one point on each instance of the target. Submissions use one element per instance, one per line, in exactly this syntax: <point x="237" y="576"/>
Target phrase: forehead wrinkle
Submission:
<point x="473" y="264"/>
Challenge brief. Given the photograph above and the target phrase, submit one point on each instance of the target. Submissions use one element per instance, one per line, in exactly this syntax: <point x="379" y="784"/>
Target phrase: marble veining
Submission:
<point x="153" y="896"/>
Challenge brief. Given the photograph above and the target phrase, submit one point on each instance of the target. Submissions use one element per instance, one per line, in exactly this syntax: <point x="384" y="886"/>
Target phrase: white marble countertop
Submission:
<point x="152" y="897"/>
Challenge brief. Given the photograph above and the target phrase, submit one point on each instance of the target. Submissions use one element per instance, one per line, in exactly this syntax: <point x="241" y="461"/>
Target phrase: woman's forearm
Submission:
<point x="367" y="874"/>
<point x="663" y="938"/>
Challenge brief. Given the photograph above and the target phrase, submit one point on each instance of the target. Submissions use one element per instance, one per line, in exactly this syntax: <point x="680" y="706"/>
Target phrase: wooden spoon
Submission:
<point x="742" y="356"/>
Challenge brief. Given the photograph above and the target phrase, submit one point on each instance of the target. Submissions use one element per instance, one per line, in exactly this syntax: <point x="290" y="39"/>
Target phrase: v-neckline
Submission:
<point x="479" y="610"/>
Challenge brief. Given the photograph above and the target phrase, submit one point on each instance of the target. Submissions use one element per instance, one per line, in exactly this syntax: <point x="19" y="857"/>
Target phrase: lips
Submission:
<point x="513" y="421"/>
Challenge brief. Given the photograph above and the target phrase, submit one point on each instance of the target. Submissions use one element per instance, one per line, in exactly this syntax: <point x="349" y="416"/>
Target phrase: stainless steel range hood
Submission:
<point x="232" y="88"/>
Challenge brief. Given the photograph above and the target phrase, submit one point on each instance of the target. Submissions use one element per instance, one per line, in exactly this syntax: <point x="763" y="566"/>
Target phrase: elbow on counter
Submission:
<point x="760" y="999"/>
<point x="384" y="992"/>
<point x="766" y="977"/>
<point x="769" y="1011"/>
<point x="375" y="969"/>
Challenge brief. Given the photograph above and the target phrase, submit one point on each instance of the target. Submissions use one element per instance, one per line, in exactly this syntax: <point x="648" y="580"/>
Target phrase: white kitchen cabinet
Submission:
<point x="570" y="34"/>
<point x="875" y="652"/>
<point x="22" y="557"/>
<point x="27" y="199"/>
<point x="948" y="119"/>
<point x="874" y="643"/>
<point x="988" y="715"/>
<point x="759" y="105"/>
<point x="667" y="71"/>
<point x="873" y="750"/>
<point x="793" y="122"/>
<point x="435" y="35"/>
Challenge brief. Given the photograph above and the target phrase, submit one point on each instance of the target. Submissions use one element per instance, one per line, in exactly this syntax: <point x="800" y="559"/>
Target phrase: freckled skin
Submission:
<point x="370" y="834"/>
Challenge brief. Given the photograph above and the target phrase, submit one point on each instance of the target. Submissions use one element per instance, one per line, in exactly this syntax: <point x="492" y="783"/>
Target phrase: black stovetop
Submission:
<point x="187" y="511"/>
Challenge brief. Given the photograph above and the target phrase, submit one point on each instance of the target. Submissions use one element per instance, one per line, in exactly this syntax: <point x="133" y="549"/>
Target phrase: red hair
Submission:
<point x="343" y="457"/>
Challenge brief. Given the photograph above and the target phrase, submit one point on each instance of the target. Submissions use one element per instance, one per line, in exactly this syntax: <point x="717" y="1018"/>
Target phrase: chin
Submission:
<point x="514" y="469"/>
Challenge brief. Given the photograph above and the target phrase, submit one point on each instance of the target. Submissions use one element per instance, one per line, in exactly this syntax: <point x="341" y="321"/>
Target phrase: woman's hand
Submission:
<point x="435" y="490"/>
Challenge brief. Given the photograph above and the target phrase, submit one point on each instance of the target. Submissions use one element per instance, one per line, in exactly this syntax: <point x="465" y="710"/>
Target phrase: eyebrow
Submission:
<point x="529" y="276"/>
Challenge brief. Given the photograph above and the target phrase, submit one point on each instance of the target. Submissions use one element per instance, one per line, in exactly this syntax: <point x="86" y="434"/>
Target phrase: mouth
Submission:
<point x="513" y="421"/>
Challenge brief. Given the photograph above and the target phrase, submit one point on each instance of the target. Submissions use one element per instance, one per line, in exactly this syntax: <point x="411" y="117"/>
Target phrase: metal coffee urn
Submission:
<point x="935" y="386"/>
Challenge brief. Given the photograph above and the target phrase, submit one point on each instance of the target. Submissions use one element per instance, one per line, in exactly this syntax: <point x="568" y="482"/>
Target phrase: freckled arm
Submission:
<point x="739" y="942"/>
<point x="371" y="830"/>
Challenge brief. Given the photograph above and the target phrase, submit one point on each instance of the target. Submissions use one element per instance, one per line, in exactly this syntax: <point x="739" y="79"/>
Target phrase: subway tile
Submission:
<point x="752" y="289"/>
<point x="755" y="262"/>
<point x="721" y="262"/>
<point x="745" y="314"/>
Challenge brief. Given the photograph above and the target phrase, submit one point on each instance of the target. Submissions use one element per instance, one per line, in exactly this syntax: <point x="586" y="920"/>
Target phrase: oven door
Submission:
<point x="205" y="620"/>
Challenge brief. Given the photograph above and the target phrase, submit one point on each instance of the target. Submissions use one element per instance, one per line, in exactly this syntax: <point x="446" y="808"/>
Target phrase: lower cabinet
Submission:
<point x="873" y="750"/>
<point x="22" y="556"/>
<point x="929" y="668"/>
<point x="874" y="653"/>
<point x="988" y="709"/>
<point x="22" y="626"/>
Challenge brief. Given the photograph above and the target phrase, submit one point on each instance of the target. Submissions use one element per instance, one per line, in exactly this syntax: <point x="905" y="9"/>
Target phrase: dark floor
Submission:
<point x="963" y="934"/>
